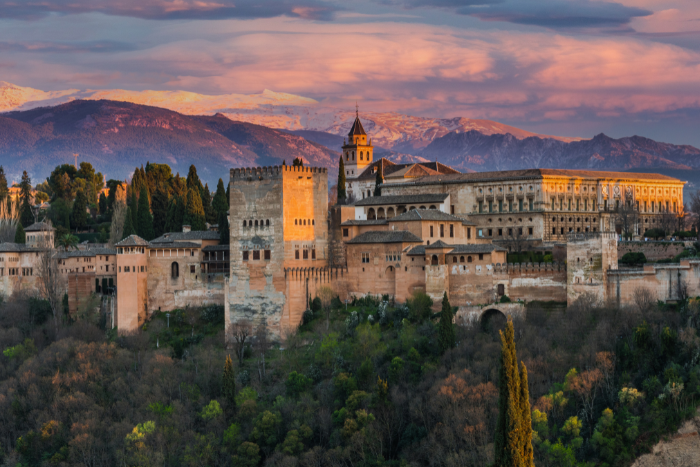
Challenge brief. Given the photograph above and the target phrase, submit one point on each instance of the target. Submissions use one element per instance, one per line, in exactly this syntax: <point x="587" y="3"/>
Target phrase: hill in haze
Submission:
<point x="118" y="136"/>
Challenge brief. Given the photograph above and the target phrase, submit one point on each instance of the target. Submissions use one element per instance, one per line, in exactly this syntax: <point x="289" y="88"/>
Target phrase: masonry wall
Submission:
<point x="81" y="286"/>
<point x="19" y="282"/>
<point x="653" y="251"/>
<point x="166" y="293"/>
<point x="538" y="281"/>
<point x="589" y="257"/>
<point x="132" y="292"/>
<point x="668" y="282"/>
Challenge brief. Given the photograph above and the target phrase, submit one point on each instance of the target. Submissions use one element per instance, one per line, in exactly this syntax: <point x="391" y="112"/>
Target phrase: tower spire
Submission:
<point x="357" y="110"/>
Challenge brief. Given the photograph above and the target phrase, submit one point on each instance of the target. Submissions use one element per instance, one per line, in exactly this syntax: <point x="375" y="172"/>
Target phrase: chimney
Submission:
<point x="186" y="228"/>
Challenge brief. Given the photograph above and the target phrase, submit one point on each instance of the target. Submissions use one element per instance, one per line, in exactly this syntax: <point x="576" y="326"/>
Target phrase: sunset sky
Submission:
<point x="574" y="68"/>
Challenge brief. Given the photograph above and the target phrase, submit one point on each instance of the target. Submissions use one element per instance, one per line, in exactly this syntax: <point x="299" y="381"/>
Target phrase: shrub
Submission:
<point x="505" y="299"/>
<point x="420" y="306"/>
<point x="296" y="384"/>
<point x="655" y="233"/>
<point x="633" y="257"/>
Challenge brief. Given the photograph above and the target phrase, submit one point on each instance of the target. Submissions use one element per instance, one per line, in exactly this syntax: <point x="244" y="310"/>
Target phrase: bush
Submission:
<point x="420" y="306"/>
<point x="633" y="257"/>
<point x="296" y="384"/>
<point x="655" y="233"/>
<point x="505" y="299"/>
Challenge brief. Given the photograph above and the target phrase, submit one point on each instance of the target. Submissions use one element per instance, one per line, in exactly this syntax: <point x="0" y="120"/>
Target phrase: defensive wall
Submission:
<point x="667" y="282"/>
<point x="653" y="251"/>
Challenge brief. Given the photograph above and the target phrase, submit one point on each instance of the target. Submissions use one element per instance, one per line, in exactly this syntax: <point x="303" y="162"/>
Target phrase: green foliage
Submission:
<point x="228" y="383"/>
<point x="128" y="224"/>
<point x="247" y="455"/>
<point x="194" y="212"/>
<point x="144" y="226"/>
<point x="68" y="241"/>
<point x="266" y="428"/>
<point x="26" y="217"/>
<point x="342" y="194"/>
<point x="298" y="162"/>
<point x="4" y="190"/>
<point x="224" y="232"/>
<point x="446" y="329"/>
<point x="379" y="180"/>
<point x="294" y="441"/>
<point x="504" y="299"/>
<point x="420" y="306"/>
<point x="220" y="201"/>
<point x="396" y="369"/>
<point x="21" y="351"/>
<point x="211" y="411"/>
<point x="655" y="233"/>
<point x="159" y="208"/>
<point x="296" y="384"/>
<point x="246" y="394"/>
<point x="632" y="258"/>
<point x="20" y="235"/>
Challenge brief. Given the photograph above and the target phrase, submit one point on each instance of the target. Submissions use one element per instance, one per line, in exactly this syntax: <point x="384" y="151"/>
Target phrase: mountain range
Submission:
<point x="40" y="130"/>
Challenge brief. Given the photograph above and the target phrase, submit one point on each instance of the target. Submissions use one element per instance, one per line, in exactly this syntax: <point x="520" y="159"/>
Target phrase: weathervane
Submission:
<point x="357" y="110"/>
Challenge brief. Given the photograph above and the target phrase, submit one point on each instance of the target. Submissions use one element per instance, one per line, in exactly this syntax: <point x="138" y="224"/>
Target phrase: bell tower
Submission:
<point x="357" y="151"/>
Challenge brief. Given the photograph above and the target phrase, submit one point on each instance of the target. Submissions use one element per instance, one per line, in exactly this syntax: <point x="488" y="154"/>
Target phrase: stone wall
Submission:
<point x="538" y="281"/>
<point x="667" y="282"/>
<point x="589" y="257"/>
<point x="81" y="286"/>
<point x="132" y="292"/>
<point x="654" y="251"/>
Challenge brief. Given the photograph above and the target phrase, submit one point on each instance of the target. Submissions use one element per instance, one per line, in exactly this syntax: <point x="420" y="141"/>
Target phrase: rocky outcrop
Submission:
<point x="681" y="450"/>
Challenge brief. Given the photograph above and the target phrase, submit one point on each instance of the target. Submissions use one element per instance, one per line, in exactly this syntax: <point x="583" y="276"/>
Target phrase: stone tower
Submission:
<point x="358" y="151"/>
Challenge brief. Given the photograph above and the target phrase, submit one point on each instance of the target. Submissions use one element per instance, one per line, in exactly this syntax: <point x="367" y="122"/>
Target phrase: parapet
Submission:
<point x="584" y="236"/>
<point x="275" y="170"/>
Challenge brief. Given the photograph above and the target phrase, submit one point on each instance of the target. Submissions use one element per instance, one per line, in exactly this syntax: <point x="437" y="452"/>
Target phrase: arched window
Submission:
<point x="362" y="155"/>
<point x="434" y="260"/>
<point x="243" y="223"/>
<point x="295" y="222"/>
<point x="469" y="259"/>
<point x="304" y="221"/>
<point x="461" y="259"/>
<point x="433" y="207"/>
<point x="267" y="222"/>
<point x="353" y="155"/>
<point x="256" y="223"/>
<point x="371" y="214"/>
<point x="454" y="259"/>
<point x="347" y="156"/>
<point x="313" y="222"/>
<point x="174" y="270"/>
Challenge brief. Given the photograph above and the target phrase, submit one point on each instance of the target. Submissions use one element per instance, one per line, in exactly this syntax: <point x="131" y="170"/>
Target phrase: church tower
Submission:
<point x="357" y="152"/>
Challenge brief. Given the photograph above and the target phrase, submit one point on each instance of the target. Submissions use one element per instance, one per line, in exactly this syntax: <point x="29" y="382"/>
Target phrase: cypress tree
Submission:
<point x="102" y="204"/>
<point x="25" y="195"/>
<point x="513" y="440"/>
<point x="193" y="180"/>
<point x="228" y="385"/>
<point x="298" y="162"/>
<point x="159" y="207"/>
<point x="194" y="212"/>
<point x="379" y="180"/>
<point x="209" y="213"/>
<point x="78" y="217"/>
<point x="134" y="205"/>
<point x="220" y="201"/>
<point x="527" y="453"/>
<point x="341" y="180"/>
<point x="3" y="185"/>
<point x="446" y="331"/>
<point x="175" y="216"/>
<point x="128" y="224"/>
<point x="224" y="234"/>
<point x="144" y="227"/>
<point x="20" y="236"/>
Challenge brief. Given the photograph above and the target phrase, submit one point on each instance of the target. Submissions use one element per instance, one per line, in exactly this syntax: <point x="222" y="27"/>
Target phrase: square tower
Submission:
<point x="278" y="221"/>
<point x="358" y="151"/>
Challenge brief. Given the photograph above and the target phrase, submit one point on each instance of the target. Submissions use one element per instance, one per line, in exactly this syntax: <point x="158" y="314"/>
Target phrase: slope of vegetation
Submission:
<point x="364" y="386"/>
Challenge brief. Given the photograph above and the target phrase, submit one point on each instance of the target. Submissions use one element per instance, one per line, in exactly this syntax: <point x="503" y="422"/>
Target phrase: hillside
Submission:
<point x="119" y="136"/>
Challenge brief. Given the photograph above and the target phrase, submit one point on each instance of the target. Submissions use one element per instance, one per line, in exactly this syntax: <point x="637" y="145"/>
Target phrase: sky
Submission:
<point x="563" y="67"/>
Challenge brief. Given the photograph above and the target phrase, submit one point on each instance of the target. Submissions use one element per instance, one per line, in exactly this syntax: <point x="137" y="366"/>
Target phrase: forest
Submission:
<point x="369" y="383"/>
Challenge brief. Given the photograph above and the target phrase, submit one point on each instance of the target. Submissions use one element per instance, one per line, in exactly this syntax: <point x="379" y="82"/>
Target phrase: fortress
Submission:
<point x="432" y="229"/>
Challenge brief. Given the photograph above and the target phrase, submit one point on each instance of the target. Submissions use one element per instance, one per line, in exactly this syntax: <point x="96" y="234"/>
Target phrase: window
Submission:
<point x="500" y="232"/>
<point x="452" y="209"/>
<point x="295" y="222"/>
<point x="530" y="206"/>
<point x="481" y="256"/>
<point x="267" y="222"/>
<point x="346" y="233"/>
<point x="500" y="206"/>
<point x="490" y="206"/>
<point x="245" y="256"/>
<point x="442" y="230"/>
<point x="529" y="230"/>
<point x="174" y="270"/>
<point x="461" y="259"/>
<point x="128" y="269"/>
<point x="296" y="254"/>
<point x="480" y="233"/>
<point x="365" y="257"/>
<point x="481" y="206"/>
<point x="490" y="232"/>
<point x="520" y="205"/>
<point x="244" y="224"/>
<point x="454" y="259"/>
<point x="192" y="271"/>
<point x="256" y="223"/>
<point x="431" y="230"/>
<point x="313" y="253"/>
<point x="306" y="254"/>
<point x="469" y="232"/>
<point x="452" y="231"/>
<point x="469" y="259"/>
<point x="256" y="255"/>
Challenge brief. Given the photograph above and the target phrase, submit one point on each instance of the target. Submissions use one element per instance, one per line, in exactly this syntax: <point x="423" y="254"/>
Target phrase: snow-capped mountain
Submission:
<point x="391" y="131"/>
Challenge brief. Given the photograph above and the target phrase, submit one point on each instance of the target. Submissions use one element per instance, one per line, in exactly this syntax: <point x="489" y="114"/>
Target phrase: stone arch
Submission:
<point x="432" y="206"/>
<point x="390" y="273"/>
<point x="174" y="270"/>
<point x="390" y="213"/>
<point x="492" y="319"/>
<point x="371" y="214"/>
<point x="380" y="213"/>
<point x="434" y="260"/>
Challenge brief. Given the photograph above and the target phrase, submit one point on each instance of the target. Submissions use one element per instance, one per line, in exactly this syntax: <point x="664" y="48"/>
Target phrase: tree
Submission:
<point x="262" y="343"/>
<point x="68" y="241"/>
<point x="209" y="213"/>
<point x="133" y="203"/>
<point x="159" y="207"/>
<point x="224" y="233"/>
<point x="194" y="212"/>
<point x="220" y="201"/>
<point x="379" y="180"/>
<point x="668" y="222"/>
<point x="240" y="331"/>
<point x="626" y="220"/>
<point x="446" y="331"/>
<point x="298" y="162"/>
<point x="326" y="295"/>
<point x="20" y="236"/>
<point x="228" y="384"/>
<point x="50" y="282"/>
<point x="102" y="204"/>
<point x="128" y="224"/>
<point x="116" y="229"/>
<point x="342" y="195"/>
<point x="78" y="217"/>
<point x="26" y="216"/>
<point x="3" y="185"/>
<point x="515" y="240"/>
<point x="144" y="227"/>
<point x="176" y="215"/>
<point x="193" y="180"/>
<point x="513" y="440"/>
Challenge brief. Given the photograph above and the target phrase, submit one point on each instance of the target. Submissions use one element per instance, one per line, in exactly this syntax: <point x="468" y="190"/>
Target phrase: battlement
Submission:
<point x="275" y="170"/>
<point x="584" y="236"/>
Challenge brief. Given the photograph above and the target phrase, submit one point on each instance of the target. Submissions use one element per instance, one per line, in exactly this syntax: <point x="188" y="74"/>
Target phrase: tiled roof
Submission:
<point x="366" y="222"/>
<point x="402" y="199"/>
<point x="39" y="226"/>
<point x="87" y="253"/>
<point x="417" y="251"/>
<point x="393" y="170"/>
<point x="477" y="248"/>
<point x="357" y="128"/>
<point x="383" y="236"/>
<point x="9" y="247"/>
<point x="428" y="215"/>
<point x="216" y="248"/>
<point x="438" y="245"/>
<point x="184" y="236"/>
<point x="174" y="245"/>
<point x="133" y="240"/>
<point x="532" y="174"/>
